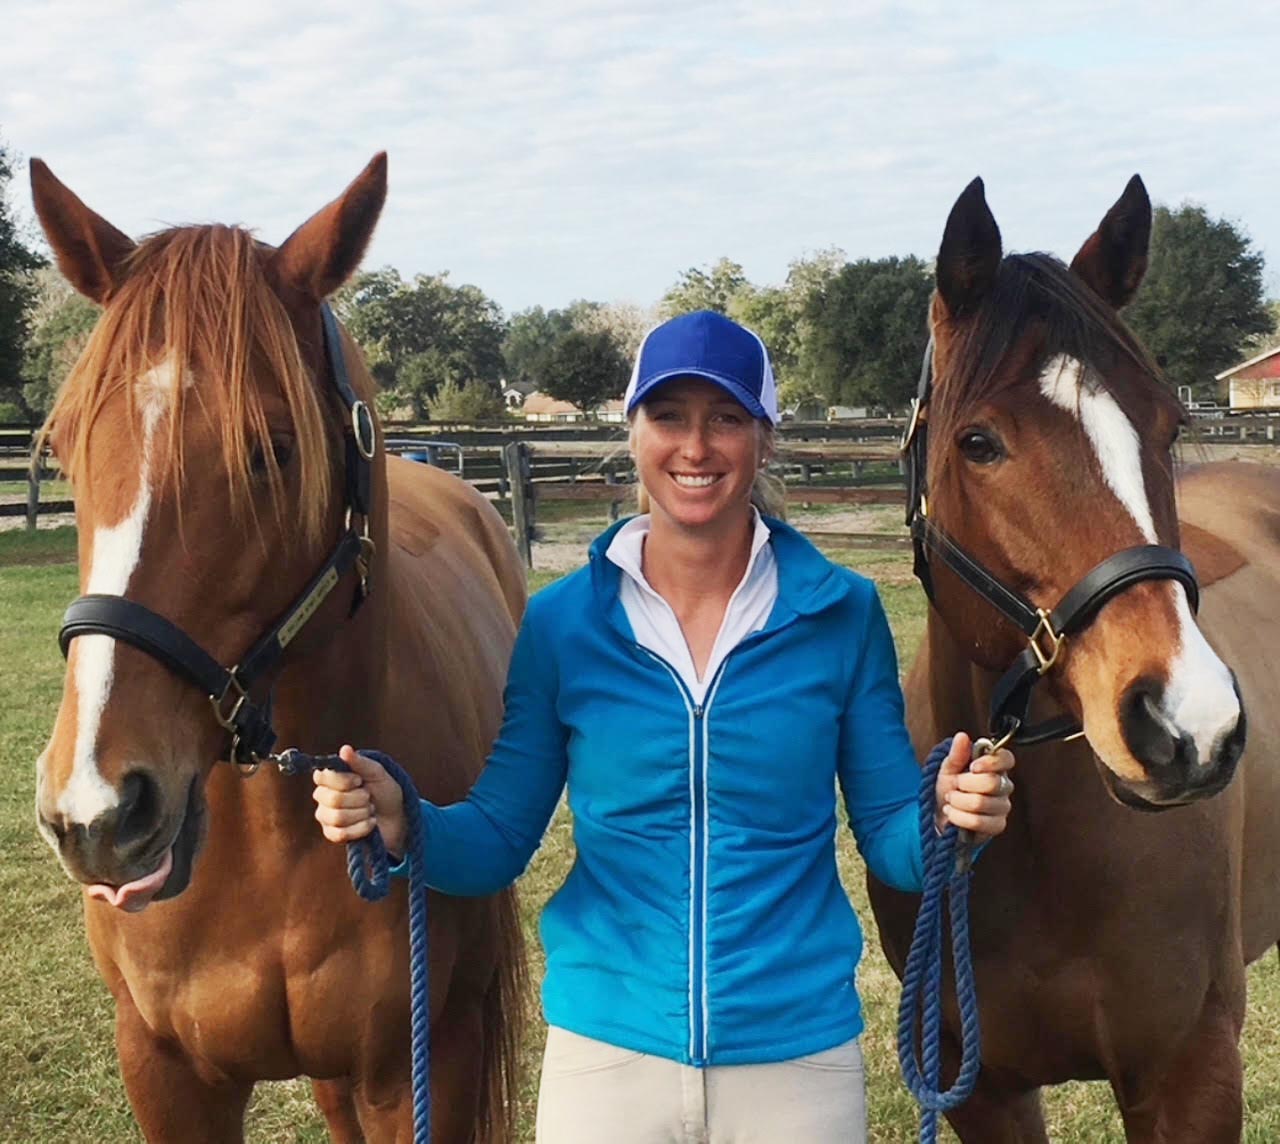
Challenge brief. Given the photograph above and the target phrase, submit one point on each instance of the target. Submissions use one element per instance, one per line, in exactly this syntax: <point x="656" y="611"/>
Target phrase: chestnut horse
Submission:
<point x="204" y="436"/>
<point x="1107" y="943"/>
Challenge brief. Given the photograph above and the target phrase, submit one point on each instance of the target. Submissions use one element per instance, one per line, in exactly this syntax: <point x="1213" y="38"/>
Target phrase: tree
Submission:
<point x="626" y="322"/>
<point x="17" y="289"/>
<point x="869" y="331"/>
<point x="768" y="310"/>
<point x="471" y="401"/>
<point x="807" y="275"/>
<point x="779" y="314"/>
<point x="710" y="289"/>
<point x="1202" y="299"/>
<point x="60" y="323"/>
<point x="417" y="336"/>
<point x="1266" y="339"/>
<point x="585" y="368"/>
<point x="530" y="334"/>
<point x="534" y="333"/>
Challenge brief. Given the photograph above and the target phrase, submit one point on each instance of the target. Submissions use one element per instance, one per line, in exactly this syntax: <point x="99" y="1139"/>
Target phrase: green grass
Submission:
<point x="56" y="1050"/>
<point x="44" y="546"/>
<point x="50" y="490"/>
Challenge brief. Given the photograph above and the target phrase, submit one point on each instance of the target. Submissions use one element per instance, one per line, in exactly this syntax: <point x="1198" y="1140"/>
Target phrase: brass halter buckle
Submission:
<point x="226" y="718"/>
<point x="1044" y="630"/>
<point x="238" y="695"/>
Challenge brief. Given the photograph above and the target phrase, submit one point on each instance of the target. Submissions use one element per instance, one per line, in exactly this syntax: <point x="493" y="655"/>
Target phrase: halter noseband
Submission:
<point x="1046" y="631"/>
<point x="252" y="735"/>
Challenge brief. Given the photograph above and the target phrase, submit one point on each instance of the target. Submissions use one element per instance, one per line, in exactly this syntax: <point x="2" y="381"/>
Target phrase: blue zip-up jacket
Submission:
<point x="703" y="919"/>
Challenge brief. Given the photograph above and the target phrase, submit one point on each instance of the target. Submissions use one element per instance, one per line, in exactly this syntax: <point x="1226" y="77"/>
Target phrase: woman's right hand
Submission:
<point x="349" y="806"/>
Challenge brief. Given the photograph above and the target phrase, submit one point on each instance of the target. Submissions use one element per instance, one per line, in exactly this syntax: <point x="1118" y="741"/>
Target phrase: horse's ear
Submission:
<point x="325" y="250"/>
<point x="1114" y="258"/>
<point x="970" y="254"/>
<point x="88" y="249"/>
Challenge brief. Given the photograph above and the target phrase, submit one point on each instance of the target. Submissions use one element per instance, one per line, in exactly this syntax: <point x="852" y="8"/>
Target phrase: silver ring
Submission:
<point x="362" y="428"/>
<point x="1006" y="786"/>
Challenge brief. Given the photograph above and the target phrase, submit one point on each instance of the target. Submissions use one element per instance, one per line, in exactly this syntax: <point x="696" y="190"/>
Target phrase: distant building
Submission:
<point x="1254" y="384"/>
<point x="542" y="408"/>
<point x="514" y="393"/>
<point x="613" y="410"/>
<point x="806" y="409"/>
<point x="847" y="412"/>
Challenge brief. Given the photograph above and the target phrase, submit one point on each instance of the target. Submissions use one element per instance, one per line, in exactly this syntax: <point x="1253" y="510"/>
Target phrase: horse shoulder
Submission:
<point x="1230" y="522"/>
<point x="1229" y="514"/>
<point x="456" y="591"/>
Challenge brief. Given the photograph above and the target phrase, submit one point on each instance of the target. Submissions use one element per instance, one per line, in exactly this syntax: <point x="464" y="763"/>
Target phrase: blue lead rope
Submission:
<point x="946" y="869"/>
<point x="369" y="866"/>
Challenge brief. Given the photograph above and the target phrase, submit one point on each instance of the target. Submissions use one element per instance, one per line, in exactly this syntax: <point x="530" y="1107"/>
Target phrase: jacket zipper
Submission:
<point x="699" y="747"/>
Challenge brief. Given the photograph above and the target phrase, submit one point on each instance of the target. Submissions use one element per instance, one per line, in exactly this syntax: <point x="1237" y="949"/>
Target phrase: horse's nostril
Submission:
<point x="139" y="804"/>
<point x="55" y="827"/>
<point x="1146" y="729"/>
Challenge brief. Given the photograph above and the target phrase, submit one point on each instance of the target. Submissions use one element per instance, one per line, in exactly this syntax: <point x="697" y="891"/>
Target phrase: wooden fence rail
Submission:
<point x="849" y="463"/>
<point x="526" y="493"/>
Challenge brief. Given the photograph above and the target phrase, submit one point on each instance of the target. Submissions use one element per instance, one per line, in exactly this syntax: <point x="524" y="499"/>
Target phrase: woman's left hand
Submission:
<point x="976" y="799"/>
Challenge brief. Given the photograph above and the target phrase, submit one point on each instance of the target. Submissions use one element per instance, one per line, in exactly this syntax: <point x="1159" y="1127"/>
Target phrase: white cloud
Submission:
<point x="547" y="151"/>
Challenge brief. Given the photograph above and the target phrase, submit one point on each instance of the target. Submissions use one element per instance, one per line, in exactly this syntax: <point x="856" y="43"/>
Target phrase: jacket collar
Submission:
<point x="808" y="582"/>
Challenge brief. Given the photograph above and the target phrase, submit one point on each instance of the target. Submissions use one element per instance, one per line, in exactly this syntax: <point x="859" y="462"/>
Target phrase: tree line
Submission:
<point x="840" y="331"/>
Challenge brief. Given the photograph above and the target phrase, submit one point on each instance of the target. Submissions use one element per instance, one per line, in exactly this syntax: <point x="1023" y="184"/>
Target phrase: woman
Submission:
<point x="700" y="686"/>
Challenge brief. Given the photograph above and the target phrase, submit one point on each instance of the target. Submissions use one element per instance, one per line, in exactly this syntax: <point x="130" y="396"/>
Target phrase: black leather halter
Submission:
<point x="249" y="722"/>
<point x="1046" y="631"/>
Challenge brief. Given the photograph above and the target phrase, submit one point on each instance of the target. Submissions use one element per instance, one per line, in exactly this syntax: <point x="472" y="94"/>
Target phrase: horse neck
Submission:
<point x="328" y="695"/>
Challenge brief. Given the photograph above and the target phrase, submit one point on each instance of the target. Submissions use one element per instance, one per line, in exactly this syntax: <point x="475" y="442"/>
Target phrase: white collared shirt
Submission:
<point x="654" y="623"/>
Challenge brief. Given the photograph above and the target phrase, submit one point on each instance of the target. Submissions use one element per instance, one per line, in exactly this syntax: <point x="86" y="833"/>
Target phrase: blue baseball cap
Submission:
<point x="707" y="345"/>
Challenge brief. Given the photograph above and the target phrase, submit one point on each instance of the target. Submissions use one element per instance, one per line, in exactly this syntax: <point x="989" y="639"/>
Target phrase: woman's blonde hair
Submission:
<point x="768" y="493"/>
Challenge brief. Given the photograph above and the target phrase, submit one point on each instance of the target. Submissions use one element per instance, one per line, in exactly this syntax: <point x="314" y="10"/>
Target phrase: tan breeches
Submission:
<point x="596" y="1093"/>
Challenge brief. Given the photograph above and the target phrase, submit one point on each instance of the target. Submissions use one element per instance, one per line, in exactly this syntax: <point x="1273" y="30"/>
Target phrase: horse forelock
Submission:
<point x="1036" y="312"/>
<point x="197" y="320"/>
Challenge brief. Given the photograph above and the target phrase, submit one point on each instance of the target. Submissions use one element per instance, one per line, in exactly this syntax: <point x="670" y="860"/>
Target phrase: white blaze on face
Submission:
<point x="1199" y="698"/>
<point x="115" y="554"/>
<point x="1112" y="435"/>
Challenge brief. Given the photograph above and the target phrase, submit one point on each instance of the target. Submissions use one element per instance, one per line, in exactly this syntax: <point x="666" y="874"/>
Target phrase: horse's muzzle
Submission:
<point x="1176" y="772"/>
<point x="129" y="843"/>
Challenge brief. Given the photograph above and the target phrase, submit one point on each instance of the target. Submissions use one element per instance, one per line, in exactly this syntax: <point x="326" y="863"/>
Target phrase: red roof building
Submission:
<point x="1254" y="384"/>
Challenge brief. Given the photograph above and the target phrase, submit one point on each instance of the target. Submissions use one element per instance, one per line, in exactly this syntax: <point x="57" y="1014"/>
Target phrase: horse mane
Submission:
<point x="199" y="296"/>
<point x="1037" y="293"/>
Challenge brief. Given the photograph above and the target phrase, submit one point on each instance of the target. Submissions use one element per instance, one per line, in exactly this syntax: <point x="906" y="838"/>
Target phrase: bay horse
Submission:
<point x="1107" y="943"/>
<point x="204" y="435"/>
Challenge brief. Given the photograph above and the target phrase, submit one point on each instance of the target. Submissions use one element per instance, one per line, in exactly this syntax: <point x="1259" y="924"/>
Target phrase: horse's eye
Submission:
<point x="281" y="449"/>
<point x="980" y="447"/>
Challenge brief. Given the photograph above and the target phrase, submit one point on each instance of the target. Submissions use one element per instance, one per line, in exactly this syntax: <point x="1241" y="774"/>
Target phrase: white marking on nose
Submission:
<point x="1200" y="698"/>
<point x="116" y="551"/>
<point x="1065" y="382"/>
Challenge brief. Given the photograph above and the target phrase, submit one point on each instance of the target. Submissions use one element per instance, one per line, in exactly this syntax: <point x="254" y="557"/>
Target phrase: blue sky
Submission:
<point x="547" y="151"/>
